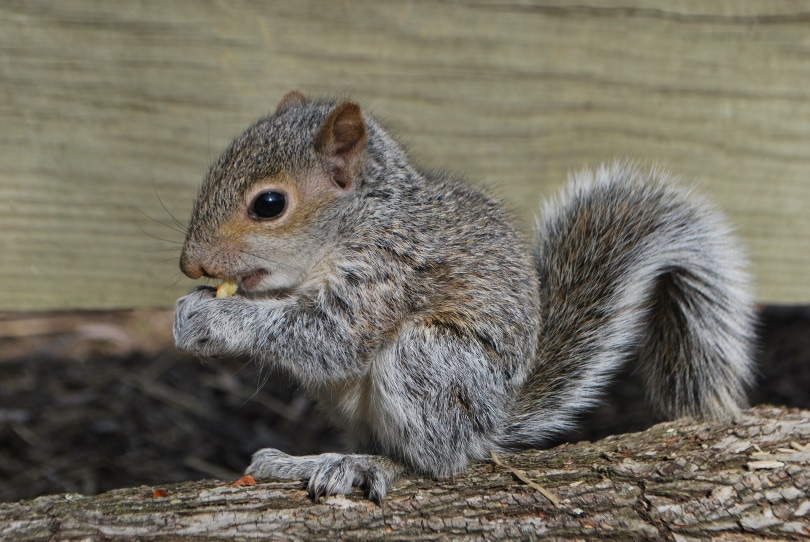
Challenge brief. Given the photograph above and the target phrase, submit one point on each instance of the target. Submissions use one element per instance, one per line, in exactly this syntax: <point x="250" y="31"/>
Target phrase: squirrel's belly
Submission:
<point x="349" y="405"/>
<point x="363" y="409"/>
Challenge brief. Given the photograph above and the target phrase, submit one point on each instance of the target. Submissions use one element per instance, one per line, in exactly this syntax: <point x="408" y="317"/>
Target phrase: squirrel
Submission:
<point x="412" y="308"/>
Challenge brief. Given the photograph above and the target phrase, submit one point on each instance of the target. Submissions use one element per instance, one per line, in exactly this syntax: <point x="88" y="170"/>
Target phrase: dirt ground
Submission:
<point x="95" y="401"/>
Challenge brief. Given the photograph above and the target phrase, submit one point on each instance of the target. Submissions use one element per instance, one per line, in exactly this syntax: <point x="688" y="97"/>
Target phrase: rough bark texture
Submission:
<point x="676" y="481"/>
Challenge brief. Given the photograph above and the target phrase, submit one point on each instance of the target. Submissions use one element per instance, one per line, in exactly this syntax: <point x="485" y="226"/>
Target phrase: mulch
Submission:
<point x="95" y="401"/>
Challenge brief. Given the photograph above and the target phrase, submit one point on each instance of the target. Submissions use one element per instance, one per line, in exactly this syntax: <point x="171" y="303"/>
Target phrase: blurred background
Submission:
<point x="111" y="112"/>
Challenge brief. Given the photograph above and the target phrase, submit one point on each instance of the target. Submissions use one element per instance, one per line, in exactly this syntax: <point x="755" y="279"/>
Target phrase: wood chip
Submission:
<point x="246" y="480"/>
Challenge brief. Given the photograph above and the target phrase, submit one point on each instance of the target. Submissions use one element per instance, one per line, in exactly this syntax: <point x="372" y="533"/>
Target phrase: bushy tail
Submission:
<point x="629" y="266"/>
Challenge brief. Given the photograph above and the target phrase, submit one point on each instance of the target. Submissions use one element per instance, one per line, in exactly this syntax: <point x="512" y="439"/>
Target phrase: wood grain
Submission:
<point x="109" y="110"/>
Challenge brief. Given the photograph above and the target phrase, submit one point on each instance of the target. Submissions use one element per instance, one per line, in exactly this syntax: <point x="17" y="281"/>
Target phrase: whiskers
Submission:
<point x="164" y="254"/>
<point x="176" y="224"/>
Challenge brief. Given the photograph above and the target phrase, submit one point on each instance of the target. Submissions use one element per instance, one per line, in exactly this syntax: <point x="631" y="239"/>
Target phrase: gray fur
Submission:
<point x="422" y="321"/>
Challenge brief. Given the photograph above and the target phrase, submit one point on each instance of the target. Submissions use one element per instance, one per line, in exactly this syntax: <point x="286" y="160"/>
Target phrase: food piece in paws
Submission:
<point x="227" y="288"/>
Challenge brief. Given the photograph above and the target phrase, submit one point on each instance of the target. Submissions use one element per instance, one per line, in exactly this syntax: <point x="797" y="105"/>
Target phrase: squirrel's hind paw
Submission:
<point x="329" y="474"/>
<point x="337" y="476"/>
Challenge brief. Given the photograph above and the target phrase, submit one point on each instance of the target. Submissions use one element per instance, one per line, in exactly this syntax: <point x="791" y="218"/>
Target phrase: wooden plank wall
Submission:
<point x="109" y="109"/>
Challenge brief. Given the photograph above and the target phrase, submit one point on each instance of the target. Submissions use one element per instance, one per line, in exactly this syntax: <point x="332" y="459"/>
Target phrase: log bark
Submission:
<point x="678" y="480"/>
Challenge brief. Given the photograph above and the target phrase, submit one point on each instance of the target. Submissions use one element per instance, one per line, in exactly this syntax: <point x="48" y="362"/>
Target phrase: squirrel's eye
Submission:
<point x="268" y="205"/>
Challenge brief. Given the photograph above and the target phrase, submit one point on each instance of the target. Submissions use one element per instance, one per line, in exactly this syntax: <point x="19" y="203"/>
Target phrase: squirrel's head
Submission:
<point x="269" y="208"/>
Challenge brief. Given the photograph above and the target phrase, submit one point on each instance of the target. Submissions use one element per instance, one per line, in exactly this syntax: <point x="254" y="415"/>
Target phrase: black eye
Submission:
<point x="268" y="205"/>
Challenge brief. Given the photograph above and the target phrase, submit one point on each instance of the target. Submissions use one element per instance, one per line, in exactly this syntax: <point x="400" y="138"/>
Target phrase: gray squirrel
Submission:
<point x="410" y="306"/>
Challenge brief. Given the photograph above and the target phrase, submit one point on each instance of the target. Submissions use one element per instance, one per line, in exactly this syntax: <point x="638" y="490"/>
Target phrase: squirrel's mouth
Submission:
<point x="251" y="280"/>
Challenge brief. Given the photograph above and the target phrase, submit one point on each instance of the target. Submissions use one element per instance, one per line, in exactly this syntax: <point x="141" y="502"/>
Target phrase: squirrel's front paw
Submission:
<point x="201" y="323"/>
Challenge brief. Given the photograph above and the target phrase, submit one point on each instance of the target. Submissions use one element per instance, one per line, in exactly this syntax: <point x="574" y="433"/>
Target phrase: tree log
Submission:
<point x="678" y="480"/>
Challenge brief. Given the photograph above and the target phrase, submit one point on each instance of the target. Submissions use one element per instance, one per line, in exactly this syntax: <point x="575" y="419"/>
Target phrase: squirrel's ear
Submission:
<point x="294" y="97"/>
<point x="340" y="141"/>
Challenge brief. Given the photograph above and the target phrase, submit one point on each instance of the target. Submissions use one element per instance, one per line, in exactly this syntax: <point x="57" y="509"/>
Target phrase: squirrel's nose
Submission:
<point x="191" y="267"/>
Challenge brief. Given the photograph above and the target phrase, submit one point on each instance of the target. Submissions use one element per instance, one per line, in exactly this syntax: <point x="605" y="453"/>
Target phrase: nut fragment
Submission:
<point x="227" y="288"/>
